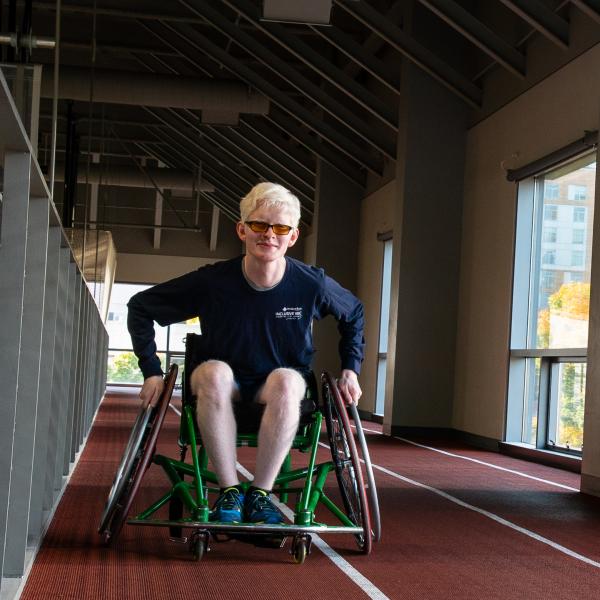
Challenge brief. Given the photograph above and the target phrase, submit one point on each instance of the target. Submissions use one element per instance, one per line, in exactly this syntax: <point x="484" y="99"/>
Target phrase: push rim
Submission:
<point x="346" y="462"/>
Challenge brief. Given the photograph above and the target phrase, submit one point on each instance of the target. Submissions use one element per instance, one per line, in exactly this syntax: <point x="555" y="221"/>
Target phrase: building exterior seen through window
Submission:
<point x="551" y="307"/>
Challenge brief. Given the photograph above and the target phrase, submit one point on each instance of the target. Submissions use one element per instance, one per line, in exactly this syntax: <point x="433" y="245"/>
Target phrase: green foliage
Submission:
<point x="572" y="405"/>
<point x="124" y="369"/>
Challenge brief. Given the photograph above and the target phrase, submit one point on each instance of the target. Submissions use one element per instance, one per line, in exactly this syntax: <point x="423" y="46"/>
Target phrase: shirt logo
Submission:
<point x="289" y="313"/>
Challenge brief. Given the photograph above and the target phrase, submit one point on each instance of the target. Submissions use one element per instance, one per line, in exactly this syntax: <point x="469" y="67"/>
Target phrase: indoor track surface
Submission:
<point x="457" y="523"/>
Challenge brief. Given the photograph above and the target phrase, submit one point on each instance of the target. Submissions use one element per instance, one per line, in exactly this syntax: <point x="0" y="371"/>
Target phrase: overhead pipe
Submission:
<point x="150" y="89"/>
<point x="125" y="176"/>
<point x="55" y="96"/>
<point x="27" y="41"/>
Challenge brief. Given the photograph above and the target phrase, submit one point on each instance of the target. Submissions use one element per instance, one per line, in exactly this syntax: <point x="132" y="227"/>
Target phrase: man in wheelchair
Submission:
<point x="256" y="314"/>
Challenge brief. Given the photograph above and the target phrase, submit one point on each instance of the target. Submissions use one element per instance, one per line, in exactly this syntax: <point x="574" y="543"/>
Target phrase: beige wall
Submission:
<point x="145" y="268"/>
<point x="554" y="113"/>
<point x="376" y="216"/>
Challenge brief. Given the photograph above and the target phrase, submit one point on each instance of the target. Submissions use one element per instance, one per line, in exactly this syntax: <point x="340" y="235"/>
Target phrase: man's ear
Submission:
<point x="294" y="237"/>
<point x="241" y="231"/>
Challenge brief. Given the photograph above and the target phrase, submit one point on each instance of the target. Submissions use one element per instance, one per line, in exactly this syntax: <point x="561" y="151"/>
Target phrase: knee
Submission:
<point x="212" y="380"/>
<point x="286" y="387"/>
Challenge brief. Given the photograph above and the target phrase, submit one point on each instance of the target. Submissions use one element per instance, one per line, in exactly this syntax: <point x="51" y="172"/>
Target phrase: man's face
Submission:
<point x="267" y="246"/>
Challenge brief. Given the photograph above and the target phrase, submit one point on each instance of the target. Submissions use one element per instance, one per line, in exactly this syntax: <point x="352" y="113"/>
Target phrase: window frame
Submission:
<point x="527" y="270"/>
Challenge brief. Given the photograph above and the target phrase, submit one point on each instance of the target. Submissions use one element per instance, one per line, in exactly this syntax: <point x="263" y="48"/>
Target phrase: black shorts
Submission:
<point x="248" y="410"/>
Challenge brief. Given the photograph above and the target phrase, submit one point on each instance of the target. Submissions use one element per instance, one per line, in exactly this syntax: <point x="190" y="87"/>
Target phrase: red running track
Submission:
<point x="452" y="529"/>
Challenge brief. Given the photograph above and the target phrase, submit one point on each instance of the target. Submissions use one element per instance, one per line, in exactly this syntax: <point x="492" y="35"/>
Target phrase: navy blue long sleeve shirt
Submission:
<point x="253" y="331"/>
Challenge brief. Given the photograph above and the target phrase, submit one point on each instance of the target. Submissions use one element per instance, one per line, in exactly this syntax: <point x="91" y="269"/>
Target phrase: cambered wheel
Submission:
<point x="371" y="486"/>
<point x="346" y="461"/>
<point x="136" y="459"/>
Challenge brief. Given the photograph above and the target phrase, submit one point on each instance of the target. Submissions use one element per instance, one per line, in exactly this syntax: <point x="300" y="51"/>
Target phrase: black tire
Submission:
<point x="301" y="549"/>
<point x="199" y="544"/>
<point x="346" y="461"/>
<point x="136" y="460"/>
<point x="126" y="466"/>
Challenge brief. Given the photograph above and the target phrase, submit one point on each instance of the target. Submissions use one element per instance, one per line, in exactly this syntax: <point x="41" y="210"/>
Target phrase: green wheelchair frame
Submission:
<point x="192" y="482"/>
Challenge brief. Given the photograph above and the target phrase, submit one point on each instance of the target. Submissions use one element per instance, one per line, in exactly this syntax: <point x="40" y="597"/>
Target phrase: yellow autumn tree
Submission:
<point x="571" y="300"/>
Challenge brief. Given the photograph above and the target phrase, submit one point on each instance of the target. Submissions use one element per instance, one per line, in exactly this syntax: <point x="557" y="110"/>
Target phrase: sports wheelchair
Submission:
<point x="191" y="483"/>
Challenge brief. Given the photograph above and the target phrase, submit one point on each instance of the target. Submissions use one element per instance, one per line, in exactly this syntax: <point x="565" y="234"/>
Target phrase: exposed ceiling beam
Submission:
<point x="302" y="159"/>
<point x="115" y="49"/>
<point x="117" y="13"/>
<point x="285" y="123"/>
<point x="327" y="132"/>
<point x="259" y="141"/>
<point x="476" y="32"/>
<point x="259" y="161"/>
<point x="208" y="153"/>
<point x="226" y="139"/>
<point x="374" y="43"/>
<point x="281" y="68"/>
<point x="355" y="52"/>
<point x="218" y="172"/>
<point x="413" y="51"/>
<point x="314" y="60"/>
<point x="541" y="18"/>
<point x="589" y="7"/>
<point x="349" y="166"/>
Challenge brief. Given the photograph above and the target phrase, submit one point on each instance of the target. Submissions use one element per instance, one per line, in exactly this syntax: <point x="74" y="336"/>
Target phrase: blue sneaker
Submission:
<point x="228" y="506"/>
<point x="258" y="508"/>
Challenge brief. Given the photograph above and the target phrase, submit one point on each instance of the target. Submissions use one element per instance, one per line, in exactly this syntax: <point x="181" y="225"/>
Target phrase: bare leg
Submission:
<point x="214" y="386"/>
<point x="282" y="394"/>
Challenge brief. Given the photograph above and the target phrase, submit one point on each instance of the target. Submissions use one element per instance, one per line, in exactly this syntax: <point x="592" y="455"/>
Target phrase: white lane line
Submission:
<point x="493" y="517"/>
<point x="177" y="411"/>
<point x="491" y="465"/>
<point x="480" y="462"/>
<point x="366" y="585"/>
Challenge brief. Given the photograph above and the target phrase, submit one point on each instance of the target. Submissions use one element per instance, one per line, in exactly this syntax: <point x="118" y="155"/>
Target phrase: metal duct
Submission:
<point x="150" y="89"/>
<point x="123" y="176"/>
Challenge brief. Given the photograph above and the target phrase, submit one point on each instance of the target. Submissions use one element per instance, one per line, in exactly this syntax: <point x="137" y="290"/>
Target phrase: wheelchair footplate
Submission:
<point x="261" y="535"/>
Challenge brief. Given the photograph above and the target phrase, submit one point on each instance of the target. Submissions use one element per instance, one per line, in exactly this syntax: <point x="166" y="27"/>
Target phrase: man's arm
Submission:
<point x="348" y="311"/>
<point x="167" y="303"/>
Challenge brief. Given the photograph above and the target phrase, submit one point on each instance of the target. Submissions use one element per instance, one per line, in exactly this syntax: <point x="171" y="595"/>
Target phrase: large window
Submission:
<point x="551" y="307"/>
<point x="122" y="363"/>
<point x="384" y="318"/>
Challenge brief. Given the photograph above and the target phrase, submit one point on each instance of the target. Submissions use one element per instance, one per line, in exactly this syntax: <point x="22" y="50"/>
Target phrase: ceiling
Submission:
<point x="219" y="95"/>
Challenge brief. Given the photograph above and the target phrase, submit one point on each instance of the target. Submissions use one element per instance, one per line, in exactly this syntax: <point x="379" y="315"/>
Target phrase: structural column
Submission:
<point x="426" y="254"/>
<point x="334" y="247"/>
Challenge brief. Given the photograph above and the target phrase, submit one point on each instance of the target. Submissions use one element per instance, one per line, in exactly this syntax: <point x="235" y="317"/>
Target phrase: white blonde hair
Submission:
<point x="270" y="194"/>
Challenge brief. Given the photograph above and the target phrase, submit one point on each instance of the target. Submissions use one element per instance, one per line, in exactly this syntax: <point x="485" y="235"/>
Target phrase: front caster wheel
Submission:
<point x="301" y="548"/>
<point x="199" y="545"/>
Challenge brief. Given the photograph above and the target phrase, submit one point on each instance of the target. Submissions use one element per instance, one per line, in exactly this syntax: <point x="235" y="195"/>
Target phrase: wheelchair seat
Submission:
<point x="248" y="414"/>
